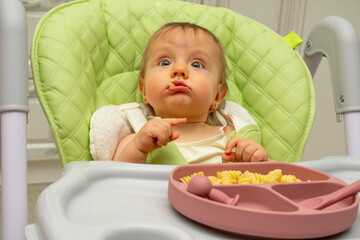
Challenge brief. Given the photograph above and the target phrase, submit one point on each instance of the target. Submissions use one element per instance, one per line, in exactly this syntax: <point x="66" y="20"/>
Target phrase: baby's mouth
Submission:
<point x="178" y="86"/>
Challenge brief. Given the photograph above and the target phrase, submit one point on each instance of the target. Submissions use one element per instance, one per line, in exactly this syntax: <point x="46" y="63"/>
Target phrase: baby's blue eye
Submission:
<point x="164" y="63"/>
<point x="197" y="65"/>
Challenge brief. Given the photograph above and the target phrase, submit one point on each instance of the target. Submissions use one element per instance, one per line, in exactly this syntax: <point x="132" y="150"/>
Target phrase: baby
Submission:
<point x="183" y="78"/>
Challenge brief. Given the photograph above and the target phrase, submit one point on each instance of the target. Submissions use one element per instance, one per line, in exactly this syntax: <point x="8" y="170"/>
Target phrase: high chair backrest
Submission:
<point x="86" y="54"/>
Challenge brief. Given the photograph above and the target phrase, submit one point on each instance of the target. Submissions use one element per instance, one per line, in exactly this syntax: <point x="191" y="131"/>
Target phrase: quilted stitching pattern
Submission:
<point x="87" y="54"/>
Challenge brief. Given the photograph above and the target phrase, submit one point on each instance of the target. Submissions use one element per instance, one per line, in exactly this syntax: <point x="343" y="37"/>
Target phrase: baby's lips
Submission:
<point x="178" y="86"/>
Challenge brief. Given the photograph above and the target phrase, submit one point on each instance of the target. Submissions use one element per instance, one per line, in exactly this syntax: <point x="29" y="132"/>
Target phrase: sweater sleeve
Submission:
<point x="250" y="131"/>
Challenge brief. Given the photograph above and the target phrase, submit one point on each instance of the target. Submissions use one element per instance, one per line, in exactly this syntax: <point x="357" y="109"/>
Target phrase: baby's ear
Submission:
<point x="141" y="84"/>
<point x="142" y="89"/>
<point x="221" y="93"/>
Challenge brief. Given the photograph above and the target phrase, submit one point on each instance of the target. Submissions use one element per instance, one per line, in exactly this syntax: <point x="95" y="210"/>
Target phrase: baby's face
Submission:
<point x="182" y="75"/>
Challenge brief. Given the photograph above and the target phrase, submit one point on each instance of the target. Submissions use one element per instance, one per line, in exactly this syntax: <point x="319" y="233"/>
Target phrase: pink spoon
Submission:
<point x="201" y="186"/>
<point x="324" y="201"/>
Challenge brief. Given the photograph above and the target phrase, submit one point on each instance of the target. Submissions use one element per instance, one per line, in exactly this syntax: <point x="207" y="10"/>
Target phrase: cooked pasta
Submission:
<point x="249" y="177"/>
<point x="276" y="173"/>
<point x="188" y="178"/>
<point x="289" y="178"/>
<point x="236" y="177"/>
<point x="228" y="177"/>
<point x="214" y="180"/>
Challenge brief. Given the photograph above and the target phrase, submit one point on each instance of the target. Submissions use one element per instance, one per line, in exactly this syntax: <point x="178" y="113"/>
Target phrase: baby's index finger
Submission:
<point x="175" y="121"/>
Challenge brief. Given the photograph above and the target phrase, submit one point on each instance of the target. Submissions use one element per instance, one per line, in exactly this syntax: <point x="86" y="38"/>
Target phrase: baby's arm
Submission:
<point x="247" y="150"/>
<point x="154" y="134"/>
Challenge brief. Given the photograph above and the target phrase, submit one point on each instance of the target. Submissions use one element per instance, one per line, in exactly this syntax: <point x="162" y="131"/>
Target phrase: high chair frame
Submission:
<point x="343" y="55"/>
<point x="13" y="111"/>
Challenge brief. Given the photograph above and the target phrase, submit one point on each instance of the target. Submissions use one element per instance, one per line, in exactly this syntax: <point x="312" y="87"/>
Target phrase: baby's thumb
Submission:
<point x="174" y="135"/>
<point x="228" y="157"/>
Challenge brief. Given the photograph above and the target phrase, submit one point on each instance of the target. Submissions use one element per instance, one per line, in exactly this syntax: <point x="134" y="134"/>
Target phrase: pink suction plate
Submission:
<point x="270" y="210"/>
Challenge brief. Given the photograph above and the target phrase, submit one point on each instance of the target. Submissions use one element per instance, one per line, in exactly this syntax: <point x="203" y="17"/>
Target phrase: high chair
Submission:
<point x="86" y="54"/>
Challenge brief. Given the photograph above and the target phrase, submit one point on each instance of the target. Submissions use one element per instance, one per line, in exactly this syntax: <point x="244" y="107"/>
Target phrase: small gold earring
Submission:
<point x="214" y="106"/>
<point x="145" y="100"/>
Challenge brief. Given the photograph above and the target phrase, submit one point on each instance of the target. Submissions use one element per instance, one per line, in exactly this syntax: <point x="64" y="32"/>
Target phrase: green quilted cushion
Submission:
<point x="86" y="54"/>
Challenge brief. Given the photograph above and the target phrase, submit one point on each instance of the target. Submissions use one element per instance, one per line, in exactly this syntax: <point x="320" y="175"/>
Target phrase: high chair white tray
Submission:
<point x="109" y="200"/>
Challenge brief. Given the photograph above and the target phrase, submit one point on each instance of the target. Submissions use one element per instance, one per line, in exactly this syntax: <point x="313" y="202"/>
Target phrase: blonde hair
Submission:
<point x="168" y="28"/>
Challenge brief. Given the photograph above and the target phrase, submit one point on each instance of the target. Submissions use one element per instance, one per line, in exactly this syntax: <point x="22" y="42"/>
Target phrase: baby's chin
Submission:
<point x="171" y="114"/>
<point x="181" y="109"/>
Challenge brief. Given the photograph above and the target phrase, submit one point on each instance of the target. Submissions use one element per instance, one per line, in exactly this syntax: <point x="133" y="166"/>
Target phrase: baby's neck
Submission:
<point x="195" y="131"/>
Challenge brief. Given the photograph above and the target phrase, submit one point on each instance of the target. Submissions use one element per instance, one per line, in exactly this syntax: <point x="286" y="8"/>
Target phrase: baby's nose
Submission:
<point x="179" y="70"/>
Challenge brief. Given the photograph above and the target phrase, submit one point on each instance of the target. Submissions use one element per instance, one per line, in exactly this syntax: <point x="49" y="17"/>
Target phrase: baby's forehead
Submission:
<point x="183" y="36"/>
<point x="170" y="33"/>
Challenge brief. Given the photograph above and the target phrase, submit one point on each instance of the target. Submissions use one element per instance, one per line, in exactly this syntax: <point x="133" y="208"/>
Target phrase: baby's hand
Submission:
<point x="247" y="150"/>
<point x="157" y="133"/>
